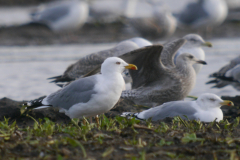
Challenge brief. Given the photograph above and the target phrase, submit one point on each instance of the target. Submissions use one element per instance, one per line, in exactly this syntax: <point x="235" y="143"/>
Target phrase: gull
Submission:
<point x="90" y="96"/>
<point x="155" y="83"/>
<point x="206" y="109"/>
<point x="86" y="64"/>
<point x="194" y="46"/>
<point x="227" y="75"/>
<point x="151" y="19"/>
<point x="203" y="13"/>
<point x="62" y="15"/>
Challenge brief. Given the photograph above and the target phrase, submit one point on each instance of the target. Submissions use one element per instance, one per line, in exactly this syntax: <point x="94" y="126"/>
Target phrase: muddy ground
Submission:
<point x="59" y="138"/>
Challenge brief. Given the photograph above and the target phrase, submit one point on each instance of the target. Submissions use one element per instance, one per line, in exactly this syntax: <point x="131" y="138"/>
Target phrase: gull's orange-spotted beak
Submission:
<point x="131" y="66"/>
<point x="227" y="103"/>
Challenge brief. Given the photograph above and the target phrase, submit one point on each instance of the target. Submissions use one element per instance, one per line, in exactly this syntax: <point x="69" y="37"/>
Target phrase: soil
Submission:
<point x="211" y="143"/>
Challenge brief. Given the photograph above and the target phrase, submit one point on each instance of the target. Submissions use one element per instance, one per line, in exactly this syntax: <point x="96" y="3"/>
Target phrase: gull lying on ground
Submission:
<point x="62" y="15"/>
<point x="227" y="75"/>
<point x="94" y="60"/>
<point x="194" y="46"/>
<point x="206" y="109"/>
<point x="90" y="96"/>
<point x="155" y="83"/>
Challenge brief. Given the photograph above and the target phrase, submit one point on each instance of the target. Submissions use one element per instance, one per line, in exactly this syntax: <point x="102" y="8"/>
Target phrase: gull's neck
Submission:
<point x="185" y="68"/>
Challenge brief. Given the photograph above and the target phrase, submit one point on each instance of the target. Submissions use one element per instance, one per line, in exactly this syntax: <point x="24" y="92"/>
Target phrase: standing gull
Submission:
<point x="90" y="96"/>
<point x="227" y="75"/>
<point x="155" y="83"/>
<point x="62" y="15"/>
<point x="194" y="46"/>
<point x="206" y="109"/>
<point x="204" y="13"/>
<point x="94" y="60"/>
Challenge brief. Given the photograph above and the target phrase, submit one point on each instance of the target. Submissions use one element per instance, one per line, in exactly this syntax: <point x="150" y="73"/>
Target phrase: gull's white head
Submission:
<point x="115" y="64"/>
<point x="195" y="40"/>
<point x="188" y="58"/>
<point x="209" y="100"/>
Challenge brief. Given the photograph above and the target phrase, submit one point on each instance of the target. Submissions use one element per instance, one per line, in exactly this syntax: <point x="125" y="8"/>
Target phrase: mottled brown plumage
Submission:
<point x="155" y="83"/>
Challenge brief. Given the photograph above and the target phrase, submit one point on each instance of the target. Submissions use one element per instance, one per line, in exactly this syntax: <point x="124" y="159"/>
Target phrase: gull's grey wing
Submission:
<point x="147" y="61"/>
<point x="170" y="50"/>
<point x="221" y="80"/>
<point x="91" y="63"/>
<point x="192" y="13"/>
<point x="227" y="67"/>
<point x="79" y="91"/>
<point x="170" y="109"/>
<point x="53" y="12"/>
<point x="234" y="73"/>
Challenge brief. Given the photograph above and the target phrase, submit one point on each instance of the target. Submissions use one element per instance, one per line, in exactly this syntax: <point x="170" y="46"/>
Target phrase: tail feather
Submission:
<point x="56" y="77"/>
<point x="36" y="103"/>
<point x="60" y="79"/>
<point x="213" y="81"/>
<point x="130" y="115"/>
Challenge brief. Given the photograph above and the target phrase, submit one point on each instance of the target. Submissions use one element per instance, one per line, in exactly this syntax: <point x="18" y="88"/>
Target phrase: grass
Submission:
<point x="120" y="138"/>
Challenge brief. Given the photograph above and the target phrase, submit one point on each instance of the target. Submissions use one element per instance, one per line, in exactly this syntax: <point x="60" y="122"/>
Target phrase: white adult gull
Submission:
<point x="194" y="46"/>
<point x="63" y="15"/>
<point x="206" y="109"/>
<point x="88" y="63"/>
<point x="203" y="13"/>
<point x="90" y="96"/>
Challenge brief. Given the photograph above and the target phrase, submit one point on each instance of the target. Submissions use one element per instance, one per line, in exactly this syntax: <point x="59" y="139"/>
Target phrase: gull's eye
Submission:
<point x="191" y="57"/>
<point x="193" y="40"/>
<point x="118" y="63"/>
<point x="212" y="99"/>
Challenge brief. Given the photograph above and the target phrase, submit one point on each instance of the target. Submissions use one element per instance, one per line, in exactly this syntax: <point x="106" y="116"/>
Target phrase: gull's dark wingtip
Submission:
<point x="60" y="79"/>
<point x="212" y="81"/>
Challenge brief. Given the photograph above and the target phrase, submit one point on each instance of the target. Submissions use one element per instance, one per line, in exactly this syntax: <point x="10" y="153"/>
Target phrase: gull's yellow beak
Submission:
<point x="208" y="44"/>
<point x="227" y="103"/>
<point x="131" y="66"/>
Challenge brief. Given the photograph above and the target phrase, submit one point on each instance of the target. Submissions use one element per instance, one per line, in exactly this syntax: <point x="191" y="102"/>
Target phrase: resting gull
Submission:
<point x="94" y="60"/>
<point x="90" y="96"/>
<point x="152" y="19"/>
<point x="227" y="75"/>
<point x="155" y="83"/>
<point x="203" y="13"/>
<point x="194" y="46"/>
<point x="206" y="109"/>
<point x="62" y="15"/>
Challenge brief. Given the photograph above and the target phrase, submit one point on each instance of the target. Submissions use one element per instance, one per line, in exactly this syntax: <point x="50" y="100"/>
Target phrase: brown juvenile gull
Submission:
<point x="155" y="83"/>
<point x="227" y="75"/>
<point x="94" y="60"/>
<point x="206" y="109"/>
<point x="90" y="96"/>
